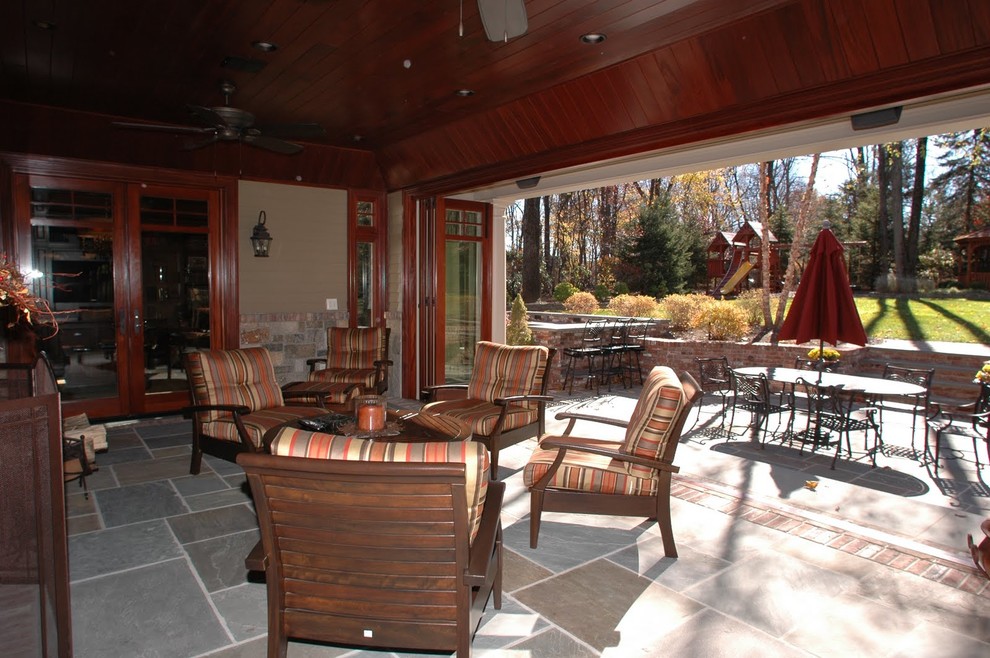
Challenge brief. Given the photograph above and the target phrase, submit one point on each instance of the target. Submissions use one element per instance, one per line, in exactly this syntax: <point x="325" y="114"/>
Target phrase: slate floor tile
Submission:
<point x="139" y="502"/>
<point x="213" y="523"/>
<point x="220" y="561"/>
<point x="125" y="547"/>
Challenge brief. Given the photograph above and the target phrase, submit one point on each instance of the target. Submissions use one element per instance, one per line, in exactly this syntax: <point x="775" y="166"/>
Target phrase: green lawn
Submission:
<point x="956" y="320"/>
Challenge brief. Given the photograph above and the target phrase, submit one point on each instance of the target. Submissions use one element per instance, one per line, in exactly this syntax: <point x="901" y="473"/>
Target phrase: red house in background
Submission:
<point x="735" y="260"/>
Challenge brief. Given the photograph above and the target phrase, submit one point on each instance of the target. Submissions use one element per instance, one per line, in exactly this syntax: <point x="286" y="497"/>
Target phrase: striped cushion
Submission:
<point x="659" y="406"/>
<point x="581" y="471"/>
<point x="359" y="348"/>
<point x="245" y="377"/>
<point x="364" y="377"/>
<point x="315" y="445"/>
<point x="257" y="423"/>
<point x="504" y="370"/>
<point x="482" y="416"/>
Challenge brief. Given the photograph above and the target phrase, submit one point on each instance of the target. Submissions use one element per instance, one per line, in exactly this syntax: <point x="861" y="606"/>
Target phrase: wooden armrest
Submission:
<point x="522" y="398"/>
<point x="576" y="415"/>
<point x="187" y="412"/>
<point x="257" y="559"/>
<point x="484" y="541"/>
<point x="383" y="362"/>
<point x="430" y="392"/>
<point x="312" y="363"/>
<point x="302" y="393"/>
<point x="605" y="449"/>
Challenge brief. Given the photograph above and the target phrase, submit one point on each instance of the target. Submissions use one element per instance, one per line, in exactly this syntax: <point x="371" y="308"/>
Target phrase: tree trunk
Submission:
<point x="531" y="250"/>
<point x="896" y="211"/>
<point x="917" y="199"/>
<point x="547" y="249"/>
<point x="882" y="263"/>
<point x="766" y="171"/>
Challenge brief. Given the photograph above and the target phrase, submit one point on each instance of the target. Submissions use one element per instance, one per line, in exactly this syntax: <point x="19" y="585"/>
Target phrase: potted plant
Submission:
<point x="828" y="355"/>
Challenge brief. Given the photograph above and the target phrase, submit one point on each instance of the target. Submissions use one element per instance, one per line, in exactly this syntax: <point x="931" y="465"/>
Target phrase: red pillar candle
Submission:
<point x="370" y="415"/>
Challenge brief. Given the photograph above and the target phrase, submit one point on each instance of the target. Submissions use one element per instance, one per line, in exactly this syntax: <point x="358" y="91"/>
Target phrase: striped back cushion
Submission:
<point x="315" y="445"/>
<point x="503" y="370"/>
<point x="355" y="348"/>
<point x="659" y="406"/>
<point x="244" y="376"/>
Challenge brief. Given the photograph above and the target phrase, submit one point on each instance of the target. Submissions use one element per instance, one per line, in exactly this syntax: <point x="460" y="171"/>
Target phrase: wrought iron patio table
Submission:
<point x="868" y="387"/>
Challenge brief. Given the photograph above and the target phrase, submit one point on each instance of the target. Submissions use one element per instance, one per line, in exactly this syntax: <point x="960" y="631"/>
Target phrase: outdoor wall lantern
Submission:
<point x="261" y="239"/>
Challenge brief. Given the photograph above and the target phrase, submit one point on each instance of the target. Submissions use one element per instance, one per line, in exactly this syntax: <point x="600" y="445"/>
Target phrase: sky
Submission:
<point x="833" y="168"/>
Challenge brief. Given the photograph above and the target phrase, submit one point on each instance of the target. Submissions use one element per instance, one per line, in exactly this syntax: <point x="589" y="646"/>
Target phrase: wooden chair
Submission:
<point x="627" y="478"/>
<point x="507" y="391"/>
<point x="389" y="555"/>
<point x="236" y="401"/>
<point x="354" y="356"/>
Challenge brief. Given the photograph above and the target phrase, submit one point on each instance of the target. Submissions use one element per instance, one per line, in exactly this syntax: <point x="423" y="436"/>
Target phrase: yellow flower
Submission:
<point x="983" y="374"/>
<point x="828" y="354"/>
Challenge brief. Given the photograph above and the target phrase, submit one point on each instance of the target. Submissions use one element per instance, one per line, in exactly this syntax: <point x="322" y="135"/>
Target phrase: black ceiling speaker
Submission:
<point x="503" y="19"/>
<point x="528" y="183"/>
<point x="877" y="118"/>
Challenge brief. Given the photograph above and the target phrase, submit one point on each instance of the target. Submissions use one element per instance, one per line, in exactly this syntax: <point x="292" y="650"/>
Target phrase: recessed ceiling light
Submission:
<point x="464" y="93"/>
<point x="264" y="46"/>
<point x="592" y="38"/>
<point x="43" y="25"/>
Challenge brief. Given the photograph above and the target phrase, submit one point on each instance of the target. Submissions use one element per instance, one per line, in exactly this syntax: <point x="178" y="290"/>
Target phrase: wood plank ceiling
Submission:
<point x="382" y="75"/>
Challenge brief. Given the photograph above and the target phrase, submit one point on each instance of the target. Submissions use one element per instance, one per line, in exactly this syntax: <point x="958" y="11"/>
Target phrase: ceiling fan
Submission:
<point x="231" y="124"/>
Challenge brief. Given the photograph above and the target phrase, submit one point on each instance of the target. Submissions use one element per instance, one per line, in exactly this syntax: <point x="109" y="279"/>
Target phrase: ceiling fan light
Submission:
<point x="264" y="46"/>
<point x="503" y="19"/>
<point x="464" y="93"/>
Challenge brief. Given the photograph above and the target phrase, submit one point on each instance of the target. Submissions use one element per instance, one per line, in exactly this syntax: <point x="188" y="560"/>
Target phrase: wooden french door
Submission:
<point x="130" y="272"/>
<point x="455" y="288"/>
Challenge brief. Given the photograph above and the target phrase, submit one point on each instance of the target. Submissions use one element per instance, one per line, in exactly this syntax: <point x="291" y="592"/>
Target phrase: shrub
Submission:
<point x="621" y="288"/>
<point x="680" y="309"/>
<point x="640" y="306"/>
<point x="601" y="292"/>
<point x="563" y="291"/>
<point x="751" y="303"/>
<point x="724" y="320"/>
<point x="517" y="332"/>
<point x="581" y="302"/>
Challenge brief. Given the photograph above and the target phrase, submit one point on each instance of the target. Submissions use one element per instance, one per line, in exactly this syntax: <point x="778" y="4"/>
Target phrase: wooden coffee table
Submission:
<point x="400" y="425"/>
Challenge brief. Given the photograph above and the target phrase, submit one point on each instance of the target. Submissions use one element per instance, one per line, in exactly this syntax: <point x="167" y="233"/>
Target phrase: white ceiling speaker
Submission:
<point x="503" y="19"/>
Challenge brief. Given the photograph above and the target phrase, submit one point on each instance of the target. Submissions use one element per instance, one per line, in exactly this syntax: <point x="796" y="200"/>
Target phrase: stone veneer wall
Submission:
<point x="291" y="338"/>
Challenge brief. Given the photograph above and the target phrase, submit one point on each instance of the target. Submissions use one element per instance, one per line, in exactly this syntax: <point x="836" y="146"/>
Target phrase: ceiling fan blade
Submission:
<point x="192" y="146"/>
<point x="293" y="130"/>
<point x="272" y="144"/>
<point x="161" y="127"/>
<point x="206" y="115"/>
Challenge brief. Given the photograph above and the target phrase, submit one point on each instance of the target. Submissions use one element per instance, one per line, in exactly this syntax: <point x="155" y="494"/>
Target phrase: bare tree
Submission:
<point x="800" y="229"/>
<point x="917" y="201"/>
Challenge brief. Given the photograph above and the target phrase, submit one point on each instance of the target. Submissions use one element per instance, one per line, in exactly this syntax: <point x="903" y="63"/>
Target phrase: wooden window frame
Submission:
<point x="376" y="235"/>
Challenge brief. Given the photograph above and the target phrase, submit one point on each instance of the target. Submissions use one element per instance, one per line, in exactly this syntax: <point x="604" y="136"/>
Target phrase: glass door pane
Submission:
<point x="72" y="245"/>
<point x="365" y="283"/>
<point x="174" y="290"/>
<point x="462" y="315"/>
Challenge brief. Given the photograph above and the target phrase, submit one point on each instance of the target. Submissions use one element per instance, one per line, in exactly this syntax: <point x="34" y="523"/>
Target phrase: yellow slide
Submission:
<point x="740" y="272"/>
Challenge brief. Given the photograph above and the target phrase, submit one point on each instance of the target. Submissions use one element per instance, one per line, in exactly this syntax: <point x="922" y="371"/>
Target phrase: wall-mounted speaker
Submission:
<point x="876" y="119"/>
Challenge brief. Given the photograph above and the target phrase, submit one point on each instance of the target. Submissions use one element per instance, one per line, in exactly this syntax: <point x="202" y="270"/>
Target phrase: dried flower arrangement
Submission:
<point x="14" y="292"/>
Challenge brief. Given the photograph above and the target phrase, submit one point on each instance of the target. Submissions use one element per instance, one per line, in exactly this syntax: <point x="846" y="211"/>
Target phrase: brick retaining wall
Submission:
<point x="953" y="372"/>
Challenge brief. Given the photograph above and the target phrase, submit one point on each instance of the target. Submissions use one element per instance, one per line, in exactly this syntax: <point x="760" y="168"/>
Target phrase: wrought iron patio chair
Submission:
<point x="752" y="393"/>
<point x="832" y="409"/>
<point x="591" y="351"/>
<point x="969" y="420"/>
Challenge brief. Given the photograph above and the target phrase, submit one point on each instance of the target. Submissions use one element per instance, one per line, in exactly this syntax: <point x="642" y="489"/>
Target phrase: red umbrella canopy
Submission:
<point x="823" y="308"/>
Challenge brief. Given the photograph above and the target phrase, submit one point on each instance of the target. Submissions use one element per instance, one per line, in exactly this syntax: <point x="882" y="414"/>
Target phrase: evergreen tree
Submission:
<point x="669" y="254"/>
<point x="518" y="332"/>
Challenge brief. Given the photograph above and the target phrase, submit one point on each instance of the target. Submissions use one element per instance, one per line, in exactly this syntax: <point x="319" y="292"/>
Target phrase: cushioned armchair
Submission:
<point x="236" y="401"/>
<point x="507" y="391"/>
<point x="624" y="478"/>
<point x="376" y="543"/>
<point x="354" y="356"/>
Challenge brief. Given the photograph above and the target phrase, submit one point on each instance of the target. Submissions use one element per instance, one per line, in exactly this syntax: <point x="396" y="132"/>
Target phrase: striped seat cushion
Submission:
<point x="243" y="377"/>
<point x="357" y="348"/>
<point x="503" y="370"/>
<point x="364" y="377"/>
<point x="316" y="445"/>
<point x="581" y="471"/>
<point x="659" y="406"/>
<point x="257" y="423"/>
<point x="482" y="415"/>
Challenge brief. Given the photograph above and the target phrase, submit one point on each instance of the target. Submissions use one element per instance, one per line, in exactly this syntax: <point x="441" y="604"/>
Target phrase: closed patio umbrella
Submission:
<point x="823" y="305"/>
